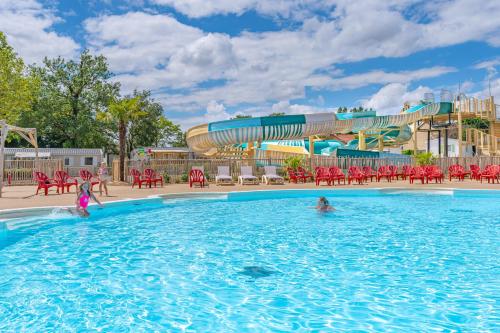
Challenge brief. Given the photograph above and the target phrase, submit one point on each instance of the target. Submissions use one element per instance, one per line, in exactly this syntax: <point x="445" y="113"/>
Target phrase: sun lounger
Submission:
<point x="223" y="177"/>
<point x="246" y="176"/>
<point x="270" y="176"/>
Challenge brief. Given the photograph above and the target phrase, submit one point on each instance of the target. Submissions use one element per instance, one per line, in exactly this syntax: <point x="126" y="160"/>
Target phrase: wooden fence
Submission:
<point x="178" y="169"/>
<point x="20" y="172"/>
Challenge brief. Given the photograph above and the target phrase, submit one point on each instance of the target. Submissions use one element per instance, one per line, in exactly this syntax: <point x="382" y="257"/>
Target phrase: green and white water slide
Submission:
<point x="292" y="129"/>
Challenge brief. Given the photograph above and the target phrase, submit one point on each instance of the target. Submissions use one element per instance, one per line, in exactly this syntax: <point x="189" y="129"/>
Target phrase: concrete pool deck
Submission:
<point x="18" y="197"/>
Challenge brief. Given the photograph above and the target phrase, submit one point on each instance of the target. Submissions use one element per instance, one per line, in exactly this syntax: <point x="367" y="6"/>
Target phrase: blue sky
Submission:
<point x="207" y="60"/>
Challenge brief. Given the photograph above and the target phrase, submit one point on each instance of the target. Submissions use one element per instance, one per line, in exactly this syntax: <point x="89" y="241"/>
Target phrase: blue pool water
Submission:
<point x="264" y="262"/>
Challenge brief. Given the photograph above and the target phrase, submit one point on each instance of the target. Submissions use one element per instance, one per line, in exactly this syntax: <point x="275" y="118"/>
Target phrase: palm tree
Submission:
<point x="121" y="112"/>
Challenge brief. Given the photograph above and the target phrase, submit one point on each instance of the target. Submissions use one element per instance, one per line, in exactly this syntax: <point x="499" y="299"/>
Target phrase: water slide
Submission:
<point x="274" y="132"/>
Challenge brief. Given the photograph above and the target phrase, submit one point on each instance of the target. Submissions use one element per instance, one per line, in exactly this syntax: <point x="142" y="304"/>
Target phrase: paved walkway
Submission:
<point x="23" y="196"/>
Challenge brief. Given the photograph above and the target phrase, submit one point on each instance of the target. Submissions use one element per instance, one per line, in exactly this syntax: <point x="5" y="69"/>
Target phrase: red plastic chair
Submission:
<point x="433" y="172"/>
<point x="417" y="173"/>
<point x="491" y="172"/>
<point x="369" y="173"/>
<point x="63" y="180"/>
<point x="406" y="171"/>
<point x="475" y="171"/>
<point x="384" y="171"/>
<point x="44" y="182"/>
<point x="336" y="174"/>
<point x="305" y="173"/>
<point x="395" y="173"/>
<point x="457" y="171"/>
<point x="138" y="179"/>
<point x="152" y="178"/>
<point x="196" y="176"/>
<point x="322" y="175"/>
<point x="295" y="177"/>
<point x="86" y="175"/>
<point x="355" y="173"/>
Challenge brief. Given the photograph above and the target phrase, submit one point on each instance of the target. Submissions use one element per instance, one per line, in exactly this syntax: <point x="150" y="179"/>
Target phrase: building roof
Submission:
<point x="163" y="149"/>
<point x="170" y="150"/>
<point x="57" y="151"/>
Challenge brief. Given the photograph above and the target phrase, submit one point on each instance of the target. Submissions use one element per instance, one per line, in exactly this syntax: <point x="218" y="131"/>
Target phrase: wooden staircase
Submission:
<point x="486" y="143"/>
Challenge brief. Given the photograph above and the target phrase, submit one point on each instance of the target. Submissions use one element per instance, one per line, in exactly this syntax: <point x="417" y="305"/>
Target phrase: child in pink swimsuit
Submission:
<point x="83" y="198"/>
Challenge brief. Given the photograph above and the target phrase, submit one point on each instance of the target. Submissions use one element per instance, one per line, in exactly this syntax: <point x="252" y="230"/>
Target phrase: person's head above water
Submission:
<point x="323" y="201"/>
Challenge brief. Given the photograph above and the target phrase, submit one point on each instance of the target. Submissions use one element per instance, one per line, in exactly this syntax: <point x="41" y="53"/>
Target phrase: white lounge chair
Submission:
<point x="246" y="176"/>
<point x="271" y="177"/>
<point x="223" y="177"/>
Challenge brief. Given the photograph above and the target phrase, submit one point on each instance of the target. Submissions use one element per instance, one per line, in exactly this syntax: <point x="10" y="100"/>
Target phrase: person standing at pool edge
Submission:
<point x="83" y="199"/>
<point x="104" y="177"/>
<point x="324" y="205"/>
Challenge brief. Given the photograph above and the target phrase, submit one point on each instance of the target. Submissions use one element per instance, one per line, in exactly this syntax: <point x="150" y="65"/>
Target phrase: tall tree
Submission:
<point x="17" y="88"/>
<point x="152" y="128"/>
<point x="70" y="96"/>
<point x="122" y="112"/>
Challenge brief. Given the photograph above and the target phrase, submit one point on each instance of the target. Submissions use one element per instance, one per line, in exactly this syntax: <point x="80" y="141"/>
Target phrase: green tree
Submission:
<point x="277" y="114"/>
<point x="121" y="112"/>
<point x="360" y="109"/>
<point x="477" y="123"/>
<point x="71" y="94"/>
<point x="342" y="109"/>
<point x="180" y="140"/>
<point x="241" y="116"/>
<point x="17" y="88"/>
<point x="152" y="128"/>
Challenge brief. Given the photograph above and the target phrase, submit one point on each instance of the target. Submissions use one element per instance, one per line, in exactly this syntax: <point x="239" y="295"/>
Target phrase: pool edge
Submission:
<point x="13" y="213"/>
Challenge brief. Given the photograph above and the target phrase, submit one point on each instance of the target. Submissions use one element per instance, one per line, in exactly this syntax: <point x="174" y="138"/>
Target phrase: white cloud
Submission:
<point x="156" y="51"/>
<point x="390" y="98"/>
<point x="381" y="77"/>
<point x="282" y="8"/>
<point x="489" y="87"/>
<point x="490" y="66"/>
<point x="287" y="108"/>
<point x="215" y="112"/>
<point x="137" y="41"/>
<point x="175" y="60"/>
<point x="28" y="27"/>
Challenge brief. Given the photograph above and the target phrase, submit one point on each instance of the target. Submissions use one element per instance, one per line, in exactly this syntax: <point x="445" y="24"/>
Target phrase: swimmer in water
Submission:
<point x="324" y="205"/>
<point x="83" y="199"/>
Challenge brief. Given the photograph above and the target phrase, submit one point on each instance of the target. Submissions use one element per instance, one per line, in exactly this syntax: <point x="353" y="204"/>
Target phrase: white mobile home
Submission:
<point x="71" y="157"/>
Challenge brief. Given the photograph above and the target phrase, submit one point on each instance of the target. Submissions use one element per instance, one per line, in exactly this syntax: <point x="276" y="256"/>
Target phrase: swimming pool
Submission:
<point x="259" y="262"/>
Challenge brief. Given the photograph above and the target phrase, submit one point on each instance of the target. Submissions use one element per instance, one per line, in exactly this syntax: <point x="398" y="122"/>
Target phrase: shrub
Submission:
<point x="407" y="152"/>
<point x="294" y="162"/>
<point x="184" y="178"/>
<point x="166" y="177"/>
<point x="425" y="159"/>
